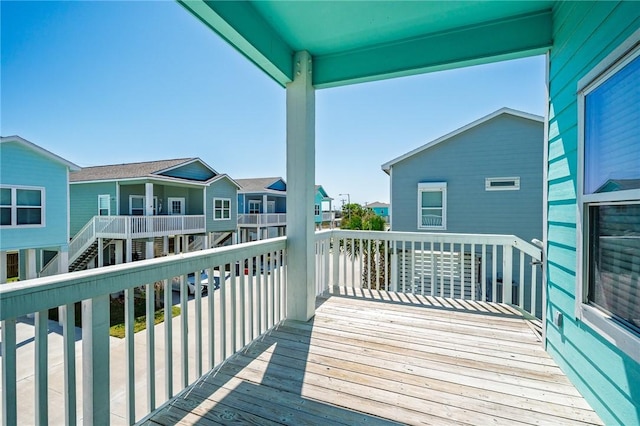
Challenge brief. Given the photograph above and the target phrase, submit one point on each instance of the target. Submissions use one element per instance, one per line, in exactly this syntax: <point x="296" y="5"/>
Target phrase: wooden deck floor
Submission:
<point x="385" y="359"/>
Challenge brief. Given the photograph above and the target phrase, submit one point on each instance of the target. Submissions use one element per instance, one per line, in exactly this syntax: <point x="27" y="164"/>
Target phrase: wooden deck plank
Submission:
<point x="497" y="405"/>
<point x="384" y="359"/>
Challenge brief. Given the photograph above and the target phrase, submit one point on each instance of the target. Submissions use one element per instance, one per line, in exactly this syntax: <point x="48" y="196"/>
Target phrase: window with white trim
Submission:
<point x="21" y="206"/>
<point x="432" y="205"/>
<point x="502" y="184"/>
<point x="221" y="208"/>
<point x="609" y="197"/>
<point x="104" y="205"/>
<point x="254" y="206"/>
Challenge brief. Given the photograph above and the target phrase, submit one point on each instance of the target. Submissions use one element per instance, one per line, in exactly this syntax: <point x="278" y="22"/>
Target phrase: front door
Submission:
<point x="176" y="205"/>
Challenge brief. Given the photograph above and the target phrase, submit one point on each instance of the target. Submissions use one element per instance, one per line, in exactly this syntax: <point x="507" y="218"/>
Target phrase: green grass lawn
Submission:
<point x="140" y="323"/>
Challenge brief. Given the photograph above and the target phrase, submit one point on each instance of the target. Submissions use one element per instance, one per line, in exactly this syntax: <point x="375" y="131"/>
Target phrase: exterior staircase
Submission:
<point x="85" y="257"/>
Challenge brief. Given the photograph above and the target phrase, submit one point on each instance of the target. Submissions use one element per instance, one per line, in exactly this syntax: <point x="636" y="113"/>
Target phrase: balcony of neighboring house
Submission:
<point x="262" y="219"/>
<point x="408" y="328"/>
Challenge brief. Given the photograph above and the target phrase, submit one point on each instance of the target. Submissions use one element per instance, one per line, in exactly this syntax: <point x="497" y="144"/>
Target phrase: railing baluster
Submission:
<point x="9" y="401"/>
<point x="521" y="281"/>
<point x="251" y="278"/>
<point x="223" y="308"/>
<point x="41" y="371"/>
<point x="534" y="288"/>
<point x="168" y="338"/>
<point x="472" y="262"/>
<point x="494" y="272"/>
<point x="259" y="293"/>
<point x="463" y="283"/>
<point x="452" y="293"/>
<point x="129" y="316"/>
<point x="211" y="299"/>
<point x="232" y="306"/>
<point x="507" y="274"/>
<point x="198" y="320"/>
<point x="184" y="330"/>
<point x="69" y="353"/>
<point x="412" y="272"/>
<point x="151" y="345"/>
<point x="241" y="304"/>
<point x="273" y="288"/>
<point x="483" y="272"/>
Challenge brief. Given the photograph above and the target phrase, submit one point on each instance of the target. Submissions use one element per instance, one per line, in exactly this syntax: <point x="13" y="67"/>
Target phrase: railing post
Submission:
<point x="394" y="266"/>
<point x="507" y="273"/>
<point x="95" y="361"/>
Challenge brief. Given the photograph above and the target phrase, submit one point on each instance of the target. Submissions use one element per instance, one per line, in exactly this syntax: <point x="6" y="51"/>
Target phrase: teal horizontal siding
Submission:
<point x="84" y="202"/>
<point x="222" y="188"/>
<point x="584" y="33"/>
<point x="21" y="166"/>
<point x="193" y="171"/>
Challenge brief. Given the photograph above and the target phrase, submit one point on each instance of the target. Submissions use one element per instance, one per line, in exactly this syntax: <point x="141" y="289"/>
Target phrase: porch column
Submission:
<point x="3" y="267"/>
<point x="30" y="264"/>
<point x="165" y="245"/>
<point x="118" y="245"/>
<point x="300" y="190"/>
<point x="148" y="199"/>
<point x="63" y="259"/>
<point x="100" y="252"/>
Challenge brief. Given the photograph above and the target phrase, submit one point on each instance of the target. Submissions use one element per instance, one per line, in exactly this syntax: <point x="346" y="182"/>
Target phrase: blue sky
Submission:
<point x="113" y="82"/>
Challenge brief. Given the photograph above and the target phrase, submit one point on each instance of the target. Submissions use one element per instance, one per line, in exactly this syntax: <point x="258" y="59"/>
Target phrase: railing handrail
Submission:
<point x="436" y="237"/>
<point x="57" y="290"/>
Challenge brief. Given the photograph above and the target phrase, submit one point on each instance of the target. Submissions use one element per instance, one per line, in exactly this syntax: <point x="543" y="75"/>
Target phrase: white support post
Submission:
<point x="100" y="252"/>
<point x="148" y="199"/>
<point x="149" y="252"/>
<point x="165" y="245"/>
<point x="300" y="190"/>
<point x="118" y="249"/>
<point x="95" y="361"/>
<point x="30" y="264"/>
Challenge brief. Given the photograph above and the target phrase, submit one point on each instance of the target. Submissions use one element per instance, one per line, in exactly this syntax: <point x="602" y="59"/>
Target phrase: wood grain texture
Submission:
<point x="388" y="359"/>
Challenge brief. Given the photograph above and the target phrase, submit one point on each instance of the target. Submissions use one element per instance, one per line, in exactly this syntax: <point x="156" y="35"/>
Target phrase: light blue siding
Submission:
<point x="84" y="202"/>
<point x="22" y="166"/>
<point x="584" y="33"/>
<point x="505" y="146"/>
<point x="222" y="188"/>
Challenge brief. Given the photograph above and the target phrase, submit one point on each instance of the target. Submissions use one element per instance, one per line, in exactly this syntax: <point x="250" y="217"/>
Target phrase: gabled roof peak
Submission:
<point x="502" y="111"/>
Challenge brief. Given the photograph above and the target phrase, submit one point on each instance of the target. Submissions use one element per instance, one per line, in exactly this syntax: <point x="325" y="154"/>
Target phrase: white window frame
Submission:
<point x="144" y="204"/>
<point x="14" y="206"/>
<point x="257" y="203"/>
<point x="183" y="203"/>
<point x="489" y="181"/>
<point x="602" y="323"/>
<point x="222" y="209"/>
<point x="108" y="197"/>
<point x="433" y="187"/>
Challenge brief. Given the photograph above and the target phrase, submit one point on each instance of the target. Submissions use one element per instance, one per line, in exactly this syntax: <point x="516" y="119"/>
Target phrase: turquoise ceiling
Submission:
<point x="353" y="41"/>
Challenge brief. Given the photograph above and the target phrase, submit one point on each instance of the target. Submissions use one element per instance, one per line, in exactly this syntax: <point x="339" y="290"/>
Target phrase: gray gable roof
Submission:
<point x="258" y="184"/>
<point x="126" y="171"/>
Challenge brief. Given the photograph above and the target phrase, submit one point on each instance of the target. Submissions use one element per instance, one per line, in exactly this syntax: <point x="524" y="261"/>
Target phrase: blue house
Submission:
<point x="322" y="208"/>
<point x="137" y="211"/>
<point x="482" y="178"/>
<point x="262" y="208"/>
<point x="34" y="207"/>
<point x="381" y="209"/>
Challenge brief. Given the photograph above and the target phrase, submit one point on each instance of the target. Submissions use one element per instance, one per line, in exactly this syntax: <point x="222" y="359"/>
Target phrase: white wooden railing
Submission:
<point x="263" y="219"/>
<point x="328" y="216"/>
<point x="124" y="227"/>
<point x="211" y="327"/>
<point x="461" y="266"/>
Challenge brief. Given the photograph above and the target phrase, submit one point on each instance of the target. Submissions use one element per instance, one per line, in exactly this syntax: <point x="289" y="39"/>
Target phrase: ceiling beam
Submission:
<point x="243" y="28"/>
<point x="505" y="39"/>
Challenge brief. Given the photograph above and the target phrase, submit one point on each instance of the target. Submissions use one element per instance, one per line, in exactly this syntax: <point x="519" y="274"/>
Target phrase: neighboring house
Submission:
<point x="143" y="210"/>
<point x="322" y="209"/>
<point x="381" y="209"/>
<point x="34" y="208"/>
<point x="484" y="178"/>
<point x="262" y="207"/>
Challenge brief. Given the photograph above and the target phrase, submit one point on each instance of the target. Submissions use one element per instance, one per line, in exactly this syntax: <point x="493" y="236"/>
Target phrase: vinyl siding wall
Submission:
<point x="21" y="166"/>
<point x="222" y="189"/>
<point x="84" y="202"/>
<point x="505" y="146"/>
<point x="194" y="171"/>
<point x="584" y="33"/>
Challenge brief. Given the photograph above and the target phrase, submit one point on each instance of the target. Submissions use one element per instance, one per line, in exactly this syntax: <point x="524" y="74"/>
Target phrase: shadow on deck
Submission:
<point x="381" y="358"/>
